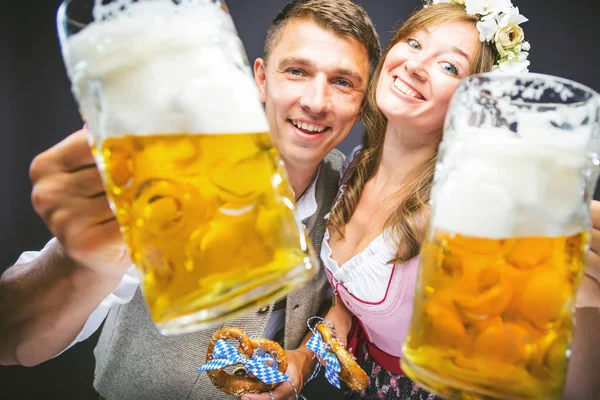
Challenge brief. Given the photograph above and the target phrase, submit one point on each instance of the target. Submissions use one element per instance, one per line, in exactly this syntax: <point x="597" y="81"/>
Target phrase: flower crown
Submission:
<point x="499" y="24"/>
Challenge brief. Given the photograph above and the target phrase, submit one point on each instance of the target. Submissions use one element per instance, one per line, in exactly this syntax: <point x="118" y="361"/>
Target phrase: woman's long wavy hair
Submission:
<point x="409" y="218"/>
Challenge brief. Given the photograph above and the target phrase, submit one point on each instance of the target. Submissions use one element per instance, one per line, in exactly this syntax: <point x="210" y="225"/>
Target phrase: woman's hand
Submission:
<point x="341" y="319"/>
<point x="589" y="290"/>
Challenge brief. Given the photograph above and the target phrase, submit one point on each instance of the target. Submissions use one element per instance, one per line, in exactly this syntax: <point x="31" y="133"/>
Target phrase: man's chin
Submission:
<point x="300" y="156"/>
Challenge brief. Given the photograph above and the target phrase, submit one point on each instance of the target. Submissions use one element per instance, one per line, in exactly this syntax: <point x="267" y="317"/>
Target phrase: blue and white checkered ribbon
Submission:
<point x="225" y="355"/>
<point x="332" y="364"/>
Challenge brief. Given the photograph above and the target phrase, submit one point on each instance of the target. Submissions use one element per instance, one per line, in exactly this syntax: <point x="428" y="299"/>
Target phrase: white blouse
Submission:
<point x="367" y="274"/>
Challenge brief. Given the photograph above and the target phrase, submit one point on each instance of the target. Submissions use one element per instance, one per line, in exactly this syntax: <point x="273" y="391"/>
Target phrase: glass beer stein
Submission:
<point x="507" y="240"/>
<point x="181" y="140"/>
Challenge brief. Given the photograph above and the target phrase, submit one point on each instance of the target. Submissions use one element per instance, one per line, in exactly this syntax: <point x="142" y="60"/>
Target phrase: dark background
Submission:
<point x="37" y="111"/>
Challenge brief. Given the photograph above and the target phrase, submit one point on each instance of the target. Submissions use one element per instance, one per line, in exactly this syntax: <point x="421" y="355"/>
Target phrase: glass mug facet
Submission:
<point x="509" y="230"/>
<point x="181" y="140"/>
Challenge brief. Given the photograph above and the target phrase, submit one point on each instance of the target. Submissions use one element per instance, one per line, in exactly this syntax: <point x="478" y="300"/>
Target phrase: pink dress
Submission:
<point x="384" y="318"/>
<point x="380" y="296"/>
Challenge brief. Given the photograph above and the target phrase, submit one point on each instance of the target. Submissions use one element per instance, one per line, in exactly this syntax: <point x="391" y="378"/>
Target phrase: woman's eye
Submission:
<point x="414" y="44"/>
<point x="449" y="68"/>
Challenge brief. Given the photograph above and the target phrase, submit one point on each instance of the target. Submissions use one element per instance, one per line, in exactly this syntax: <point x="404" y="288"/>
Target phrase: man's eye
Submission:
<point x="342" y="82"/>
<point x="295" y="71"/>
<point x="414" y="44"/>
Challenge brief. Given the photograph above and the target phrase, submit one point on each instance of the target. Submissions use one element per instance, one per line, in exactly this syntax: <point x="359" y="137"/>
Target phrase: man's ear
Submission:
<point x="359" y="116"/>
<point x="363" y="107"/>
<point x="361" y="111"/>
<point x="260" y="78"/>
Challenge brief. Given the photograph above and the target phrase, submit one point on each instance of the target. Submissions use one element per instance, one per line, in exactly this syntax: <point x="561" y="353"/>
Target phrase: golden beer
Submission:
<point x="207" y="218"/>
<point x="181" y="139"/>
<point x="507" y="238"/>
<point x="494" y="316"/>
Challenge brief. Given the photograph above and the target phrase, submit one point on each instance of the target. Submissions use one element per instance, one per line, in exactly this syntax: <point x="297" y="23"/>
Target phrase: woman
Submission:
<point x="378" y="223"/>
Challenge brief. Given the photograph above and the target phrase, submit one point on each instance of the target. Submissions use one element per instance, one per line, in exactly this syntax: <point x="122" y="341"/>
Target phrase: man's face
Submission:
<point x="313" y="87"/>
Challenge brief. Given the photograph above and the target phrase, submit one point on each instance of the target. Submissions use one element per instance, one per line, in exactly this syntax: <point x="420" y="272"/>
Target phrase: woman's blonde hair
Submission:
<point x="409" y="218"/>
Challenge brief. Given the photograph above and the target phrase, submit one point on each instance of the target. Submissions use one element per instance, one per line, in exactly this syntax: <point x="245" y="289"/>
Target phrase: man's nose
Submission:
<point x="317" y="97"/>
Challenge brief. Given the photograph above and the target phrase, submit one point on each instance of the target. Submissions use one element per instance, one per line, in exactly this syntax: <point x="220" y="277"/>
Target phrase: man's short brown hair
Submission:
<point x="343" y="17"/>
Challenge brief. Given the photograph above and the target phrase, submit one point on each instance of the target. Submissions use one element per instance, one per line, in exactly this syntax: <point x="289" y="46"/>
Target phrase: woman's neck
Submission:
<point x="402" y="153"/>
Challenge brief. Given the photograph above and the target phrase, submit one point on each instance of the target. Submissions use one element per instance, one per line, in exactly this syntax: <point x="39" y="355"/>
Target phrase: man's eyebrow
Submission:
<point x="296" y="61"/>
<point x="306" y="62"/>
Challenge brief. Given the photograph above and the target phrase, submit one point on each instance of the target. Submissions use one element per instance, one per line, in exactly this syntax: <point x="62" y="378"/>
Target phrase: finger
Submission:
<point x="593" y="265"/>
<point x="66" y="190"/>
<point x="284" y="391"/>
<point x="588" y="294"/>
<point x="71" y="154"/>
<point x="595" y="240"/>
<point x="85" y="182"/>
<point x="254" y="396"/>
<point x="595" y="210"/>
<point x="78" y="213"/>
<point x="274" y="394"/>
<point x="74" y="151"/>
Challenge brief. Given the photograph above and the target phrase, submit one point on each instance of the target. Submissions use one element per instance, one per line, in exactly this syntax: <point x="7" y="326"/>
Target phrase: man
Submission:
<point x="317" y="61"/>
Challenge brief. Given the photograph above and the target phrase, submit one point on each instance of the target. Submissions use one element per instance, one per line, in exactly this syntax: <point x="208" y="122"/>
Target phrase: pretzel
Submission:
<point x="238" y="385"/>
<point x="351" y="372"/>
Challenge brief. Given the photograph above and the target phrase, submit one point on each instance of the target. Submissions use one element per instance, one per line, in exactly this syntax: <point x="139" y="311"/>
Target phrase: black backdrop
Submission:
<point x="37" y="110"/>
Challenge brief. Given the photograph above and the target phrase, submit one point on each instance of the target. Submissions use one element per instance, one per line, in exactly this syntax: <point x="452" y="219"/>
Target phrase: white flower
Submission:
<point x="497" y="7"/>
<point x="493" y="4"/>
<point x="499" y="24"/>
<point x="507" y="37"/>
<point x="513" y="67"/>
<point x="511" y="16"/>
<point x="476" y="7"/>
<point x="523" y="56"/>
<point x="487" y="29"/>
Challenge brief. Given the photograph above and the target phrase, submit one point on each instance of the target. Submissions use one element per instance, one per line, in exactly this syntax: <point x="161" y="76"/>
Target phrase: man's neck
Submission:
<point x="301" y="176"/>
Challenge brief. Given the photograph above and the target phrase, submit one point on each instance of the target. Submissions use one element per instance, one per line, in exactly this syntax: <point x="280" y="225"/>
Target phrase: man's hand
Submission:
<point x="300" y="367"/>
<point x="47" y="301"/>
<point x="69" y="196"/>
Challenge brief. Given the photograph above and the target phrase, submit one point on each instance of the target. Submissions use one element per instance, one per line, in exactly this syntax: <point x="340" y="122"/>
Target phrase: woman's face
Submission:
<point x="421" y="73"/>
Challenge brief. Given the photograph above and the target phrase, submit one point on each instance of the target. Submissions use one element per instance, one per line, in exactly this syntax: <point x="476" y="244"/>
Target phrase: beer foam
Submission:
<point x="152" y="68"/>
<point x="492" y="185"/>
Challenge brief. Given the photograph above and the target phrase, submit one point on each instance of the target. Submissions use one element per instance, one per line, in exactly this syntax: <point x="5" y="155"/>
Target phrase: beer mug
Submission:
<point x="183" y="146"/>
<point x="507" y="239"/>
